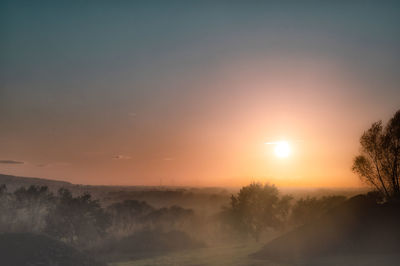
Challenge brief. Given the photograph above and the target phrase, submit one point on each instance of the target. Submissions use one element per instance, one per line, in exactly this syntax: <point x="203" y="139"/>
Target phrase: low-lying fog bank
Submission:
<point x="130" y="224"/>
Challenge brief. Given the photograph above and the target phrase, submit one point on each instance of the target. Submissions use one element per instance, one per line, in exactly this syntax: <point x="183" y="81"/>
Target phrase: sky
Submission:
<point x="188" y="92"/>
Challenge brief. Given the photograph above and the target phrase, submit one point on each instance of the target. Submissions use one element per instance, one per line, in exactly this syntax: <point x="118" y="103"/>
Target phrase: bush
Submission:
<point x="256" y="208"/>
<point x="308" y="209"/>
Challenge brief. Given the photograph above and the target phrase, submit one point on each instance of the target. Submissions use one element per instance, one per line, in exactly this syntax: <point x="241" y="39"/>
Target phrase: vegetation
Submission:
<point x="135" y="230"/>
<point x="131" y="216"/>
<point x="76" y="220"/>
<point x="310" y="208"/>
<point x="378" y="165"/>
<point x="359" y="231"/>
<point x="258" y="207"/>
<point x="83" y="222"/>
<point x="80" y="220"/>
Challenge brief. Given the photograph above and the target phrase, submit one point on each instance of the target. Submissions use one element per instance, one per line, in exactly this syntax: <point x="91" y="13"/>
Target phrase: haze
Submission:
<point x="177" y="93"/>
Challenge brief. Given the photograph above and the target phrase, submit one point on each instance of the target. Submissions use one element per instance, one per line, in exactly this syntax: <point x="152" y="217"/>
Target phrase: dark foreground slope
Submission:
<point x="359" y="232"/>
<point x="145" y="244"/>
<point x="23" y="249"/>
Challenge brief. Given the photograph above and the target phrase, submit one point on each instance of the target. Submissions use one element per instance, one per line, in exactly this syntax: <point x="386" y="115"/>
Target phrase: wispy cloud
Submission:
<point x="11" y="162"/>
<point x="121" y="157"/>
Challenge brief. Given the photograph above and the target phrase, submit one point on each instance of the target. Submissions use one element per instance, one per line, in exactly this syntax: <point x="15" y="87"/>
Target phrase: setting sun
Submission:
<point x="282" y="149"/>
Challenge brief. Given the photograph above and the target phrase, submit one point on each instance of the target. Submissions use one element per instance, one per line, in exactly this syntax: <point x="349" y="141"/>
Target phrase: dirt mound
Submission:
<point x="359" y="227"/>
<point x="20" y="249"/>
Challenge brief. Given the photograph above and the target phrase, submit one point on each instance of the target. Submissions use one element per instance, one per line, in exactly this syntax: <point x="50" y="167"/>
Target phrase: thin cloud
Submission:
<point x="121" y="157"/>
<point x="11" y="162"/>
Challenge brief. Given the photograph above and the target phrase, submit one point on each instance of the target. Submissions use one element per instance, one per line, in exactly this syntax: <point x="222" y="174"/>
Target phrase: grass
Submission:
<point x="229" y="255"/>
<point x="237" y="255"/>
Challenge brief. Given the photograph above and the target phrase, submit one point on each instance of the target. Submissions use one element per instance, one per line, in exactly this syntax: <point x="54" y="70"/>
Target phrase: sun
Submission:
<point x="282" y="149"/>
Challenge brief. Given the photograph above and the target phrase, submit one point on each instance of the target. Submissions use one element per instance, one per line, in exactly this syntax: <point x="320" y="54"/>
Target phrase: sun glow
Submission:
<point x="282" y="149"/>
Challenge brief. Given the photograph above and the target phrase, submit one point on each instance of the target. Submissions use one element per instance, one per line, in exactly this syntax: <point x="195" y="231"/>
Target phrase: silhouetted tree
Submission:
<point x="258" y="207"/>
<point x="31" y="206"/>
<point x="127" y="216"/>
<point x="378" y="165"/>
<point x="173" y="217"/>
<point x="77" y="220"/>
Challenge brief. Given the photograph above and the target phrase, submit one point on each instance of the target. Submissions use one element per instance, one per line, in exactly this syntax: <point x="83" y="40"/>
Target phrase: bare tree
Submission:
<point x="378" y="164"/>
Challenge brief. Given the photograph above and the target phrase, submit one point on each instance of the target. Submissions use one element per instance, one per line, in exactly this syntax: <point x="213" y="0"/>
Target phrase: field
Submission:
<point x="238" y="256"/>
<point x="232" y="255"/>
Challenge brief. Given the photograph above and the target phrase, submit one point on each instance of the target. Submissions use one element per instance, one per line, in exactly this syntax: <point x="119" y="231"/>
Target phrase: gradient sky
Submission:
<point x="188" y="92"/>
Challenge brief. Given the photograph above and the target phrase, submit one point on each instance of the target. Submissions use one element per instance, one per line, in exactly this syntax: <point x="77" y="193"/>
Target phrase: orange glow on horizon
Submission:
<point x="217" y="146"/>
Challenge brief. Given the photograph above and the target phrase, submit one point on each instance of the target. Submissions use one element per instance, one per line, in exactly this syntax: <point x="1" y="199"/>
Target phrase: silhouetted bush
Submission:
<point x="131" y="215"/>
<point x="308" y="209"/>
<point x="128" y="216"/>
<point x="174" y="217"/>
<point x="32" y="206"/>
<point x="256" y="208"/>
<point x="25" y="210"/>
<point x="77" y="220"/>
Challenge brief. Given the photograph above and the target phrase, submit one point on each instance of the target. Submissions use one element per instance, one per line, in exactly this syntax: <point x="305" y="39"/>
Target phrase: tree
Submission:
<point x="168" y="218"/>
<point x="378" y="164"/>
<point x="128" y="216"/>
<point x="77" y="220"/>
<point x="258" y="207"/>
<point x="32" y="205"/>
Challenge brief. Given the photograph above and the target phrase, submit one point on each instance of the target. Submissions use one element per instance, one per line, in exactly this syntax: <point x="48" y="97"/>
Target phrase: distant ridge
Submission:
<point x="14" y="182"/>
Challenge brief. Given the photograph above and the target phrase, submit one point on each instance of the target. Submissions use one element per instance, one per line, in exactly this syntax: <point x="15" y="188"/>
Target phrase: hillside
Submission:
<point x="359" y="231"/>
<point x="13" y="182"/>
<point x="20" y="249"/>
<point x="146" y="244"/>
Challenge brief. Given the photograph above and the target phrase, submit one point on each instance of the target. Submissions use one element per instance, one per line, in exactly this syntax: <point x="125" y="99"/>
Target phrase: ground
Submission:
<point x="237" y="255"/>
<point x="230" y="255"/>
